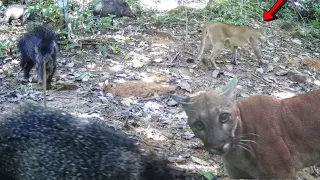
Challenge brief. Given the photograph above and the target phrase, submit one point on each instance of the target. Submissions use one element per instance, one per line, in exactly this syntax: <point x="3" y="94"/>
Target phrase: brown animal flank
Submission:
<point x="216" y="35"/>
<point x="260" y="136"/>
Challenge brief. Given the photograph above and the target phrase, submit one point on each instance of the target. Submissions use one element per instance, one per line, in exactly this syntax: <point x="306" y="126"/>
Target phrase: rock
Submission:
<point x="185" y="85"/>
<point x="158" y="60"/>
<point x="270" y="68"/>
<point x="297" y="76"/>
<point x="259" y="71"/>
<point x="229" y="67"/>
<point x="177" y="159"/>
<point x="244" y="95"/>
<point x="188" y="135"/>
<point x="136" y="63"/>
<point x="281" y="73"/>
<point x="282" y="67"/>
<point x="297" y="41"/>
<point x="228" y="74"/>
<point x="264" y="61"/>
<point x="317" y="82"/>
<point x="155" y="117"/>
<point x="215" y="73"/>
<point x="276" y="59"/>
<point x="172" y="103"/>
<point x="121" y="75"/>
<point x="70" y="65"/>
<point x="103" y="99"/>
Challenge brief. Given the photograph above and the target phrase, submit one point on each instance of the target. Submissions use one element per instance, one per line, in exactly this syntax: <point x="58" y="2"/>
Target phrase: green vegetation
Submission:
<point x="6" y="46"/>
<point x="241" y="12"/>
<point x="237" y="12"/>
<point x="47" y="11"/>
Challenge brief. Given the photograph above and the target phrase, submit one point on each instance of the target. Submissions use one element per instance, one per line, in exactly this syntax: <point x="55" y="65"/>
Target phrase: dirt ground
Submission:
<point x="128" y="88"/>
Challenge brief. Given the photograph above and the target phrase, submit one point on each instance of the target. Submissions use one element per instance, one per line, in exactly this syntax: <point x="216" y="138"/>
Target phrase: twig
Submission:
<point x="18" y="73"/>
<point x="190" y="53"/>
<point x="175" y="57"/>
<point x="44" y="85"/>
<point x="147" y="98"/>
<point x="6" y="92"/>
<point x="65" y="97"/>
<point x="126" y="123"/>
<point x="264" y="81"/>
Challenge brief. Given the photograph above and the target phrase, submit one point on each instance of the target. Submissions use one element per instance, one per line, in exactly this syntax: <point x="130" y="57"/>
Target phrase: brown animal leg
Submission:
<point x="234" y="55"/>
<point x="202" y="49"/>
<point x="216" y="49"/>
<point x="255" y="46"/>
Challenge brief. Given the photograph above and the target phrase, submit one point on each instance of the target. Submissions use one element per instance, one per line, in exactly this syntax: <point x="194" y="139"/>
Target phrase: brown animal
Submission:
<point x="218" y="34"/>
<point x="260" y="136"/>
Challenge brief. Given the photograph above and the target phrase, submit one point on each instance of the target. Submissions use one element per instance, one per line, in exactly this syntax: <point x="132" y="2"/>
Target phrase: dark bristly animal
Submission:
<point x="39" y="46"/>
<point x="118" y="8"/>
<point x="39" y="143"/>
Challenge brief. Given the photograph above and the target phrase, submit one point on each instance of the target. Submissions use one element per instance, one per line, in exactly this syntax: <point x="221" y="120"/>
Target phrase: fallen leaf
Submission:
<point x="199" y="161"/>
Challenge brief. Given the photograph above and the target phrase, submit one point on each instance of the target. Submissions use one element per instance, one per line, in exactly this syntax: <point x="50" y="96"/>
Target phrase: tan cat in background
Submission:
<point x="260" y="136"/>
<point x="217" y="35"/>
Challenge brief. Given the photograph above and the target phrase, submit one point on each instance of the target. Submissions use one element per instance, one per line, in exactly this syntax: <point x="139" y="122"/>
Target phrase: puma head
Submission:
<point x="212" y="118"/>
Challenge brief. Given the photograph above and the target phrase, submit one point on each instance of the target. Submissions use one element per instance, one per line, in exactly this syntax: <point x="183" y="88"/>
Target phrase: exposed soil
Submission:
<point x="128" y="88"/>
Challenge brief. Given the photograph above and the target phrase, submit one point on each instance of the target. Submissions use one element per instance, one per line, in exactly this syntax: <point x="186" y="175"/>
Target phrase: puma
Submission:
<point x="260" y="136"/>
<point x="218" y="34"/>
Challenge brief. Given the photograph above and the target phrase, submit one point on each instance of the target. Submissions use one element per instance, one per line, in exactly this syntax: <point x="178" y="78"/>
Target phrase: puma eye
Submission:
<point x="224" y="117"/>
<point x="198" y="125"/>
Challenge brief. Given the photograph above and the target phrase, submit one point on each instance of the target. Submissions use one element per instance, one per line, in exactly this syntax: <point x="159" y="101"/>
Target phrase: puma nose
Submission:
<point x="218" y="147"/>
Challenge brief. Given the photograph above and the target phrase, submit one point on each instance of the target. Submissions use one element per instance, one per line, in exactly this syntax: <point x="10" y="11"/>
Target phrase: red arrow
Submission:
<point x="270" y="15"/>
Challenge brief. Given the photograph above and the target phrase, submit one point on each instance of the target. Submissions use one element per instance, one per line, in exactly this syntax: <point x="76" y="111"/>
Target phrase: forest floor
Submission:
<point x="128" y="87"/>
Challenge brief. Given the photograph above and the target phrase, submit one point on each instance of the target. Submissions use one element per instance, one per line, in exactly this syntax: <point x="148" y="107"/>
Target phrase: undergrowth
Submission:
<point x="237" y="12"/>
<point x="241" y="12"/>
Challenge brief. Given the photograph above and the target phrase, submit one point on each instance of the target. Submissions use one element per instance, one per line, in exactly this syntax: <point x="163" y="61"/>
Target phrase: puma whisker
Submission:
<point x="246" y="150"/>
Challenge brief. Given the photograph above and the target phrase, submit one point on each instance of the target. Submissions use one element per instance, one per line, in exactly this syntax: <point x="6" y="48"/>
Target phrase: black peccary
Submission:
<point x="112" y="7"/>
<point x="39" y="46"/>
<point x="42" y="143"/>
<point x="14" y="12"/>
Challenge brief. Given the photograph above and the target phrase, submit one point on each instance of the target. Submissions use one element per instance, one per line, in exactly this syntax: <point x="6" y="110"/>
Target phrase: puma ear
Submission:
<point x="180" y="99"/>
<point x="228" y="89"/>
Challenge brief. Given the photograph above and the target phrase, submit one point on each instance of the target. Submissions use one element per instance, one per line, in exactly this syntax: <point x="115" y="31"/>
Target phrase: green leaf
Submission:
<point x="208" y="176"/>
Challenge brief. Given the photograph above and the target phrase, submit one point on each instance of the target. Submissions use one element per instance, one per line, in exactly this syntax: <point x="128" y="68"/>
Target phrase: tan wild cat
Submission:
<point x="260" y="136"/>
<point x="216" y="35"/>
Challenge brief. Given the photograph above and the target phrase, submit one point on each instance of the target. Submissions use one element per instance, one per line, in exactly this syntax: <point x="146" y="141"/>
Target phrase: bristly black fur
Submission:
<point x="39" y="46"/>
<point x="44" y="35"/>
<point x="40" y="143"/>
